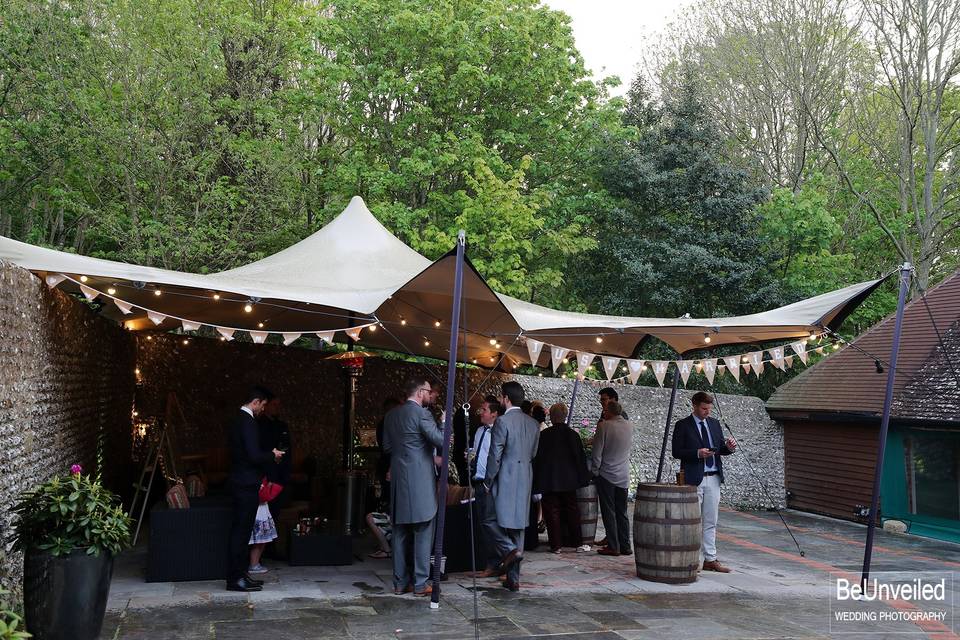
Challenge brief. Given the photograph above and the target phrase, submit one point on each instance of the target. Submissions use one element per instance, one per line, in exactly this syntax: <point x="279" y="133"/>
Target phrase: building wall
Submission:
<point x="66" y="378"/>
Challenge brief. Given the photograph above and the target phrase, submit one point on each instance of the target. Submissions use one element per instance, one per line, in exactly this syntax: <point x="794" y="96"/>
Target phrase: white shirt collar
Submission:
<point x="511" y="409"/>
<point x="248" y="410"/>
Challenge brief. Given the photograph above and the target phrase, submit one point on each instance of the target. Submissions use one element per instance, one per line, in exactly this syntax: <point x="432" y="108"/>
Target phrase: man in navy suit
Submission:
<point x="698" y="443"/>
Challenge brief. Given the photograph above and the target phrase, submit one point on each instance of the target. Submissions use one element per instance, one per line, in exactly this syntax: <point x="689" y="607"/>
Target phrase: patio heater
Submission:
<point x="351" y="481"/>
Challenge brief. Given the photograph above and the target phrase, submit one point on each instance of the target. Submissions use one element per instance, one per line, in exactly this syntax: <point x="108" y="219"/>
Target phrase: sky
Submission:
<point x="611" y="34"/>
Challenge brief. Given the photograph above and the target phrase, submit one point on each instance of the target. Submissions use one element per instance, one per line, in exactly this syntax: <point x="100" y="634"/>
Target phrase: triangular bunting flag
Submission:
<point x="610" y="366"/>
<point x="819" y="350"/>
<point x="326" y="336"/>
<point x="54" y="279"/>
<point x="800" y="348"/>
<point x="225" y="332"/>
<point x="660" y="370"/>
<point x="290" y="338"/>
<point x="557" y="354"/>
<point x="124" y="307"/>
<point x="88" y="293"/>
<point x="354" y="333"/>
<point x="156" y="318"/>
<point x="190" y="326"/>
<point x="684" y="366"/>
<point x="789" y="361"/>
<point x="259" y="336"/>
<point x="534" y="347"/>
<point x="709" y="368"/>
<point x="584" y="360"/>
<point x="776" y="357"/>
<point x="634" y="368"/>
<point x="756" y="362"/>
<point x="733" y="366"/>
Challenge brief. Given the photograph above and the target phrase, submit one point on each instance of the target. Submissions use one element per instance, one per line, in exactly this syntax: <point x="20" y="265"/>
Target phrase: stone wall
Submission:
<point x="66" y="377"/>
<point x="209" y="376"/>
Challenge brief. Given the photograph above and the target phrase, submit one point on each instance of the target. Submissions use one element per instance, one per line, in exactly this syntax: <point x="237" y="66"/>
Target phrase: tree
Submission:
<point x="686" y="238"/>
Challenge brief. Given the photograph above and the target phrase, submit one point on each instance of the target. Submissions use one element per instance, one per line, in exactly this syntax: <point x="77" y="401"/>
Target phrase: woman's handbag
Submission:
<point x="269" y="490"/>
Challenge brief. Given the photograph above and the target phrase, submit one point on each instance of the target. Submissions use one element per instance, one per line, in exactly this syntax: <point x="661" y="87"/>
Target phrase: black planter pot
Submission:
<point x="66" y="596"/>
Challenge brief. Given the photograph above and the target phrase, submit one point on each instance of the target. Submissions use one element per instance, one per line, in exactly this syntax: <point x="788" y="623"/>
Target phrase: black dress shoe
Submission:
<point x="243" y="585"/>
<point x="253" y="581"/>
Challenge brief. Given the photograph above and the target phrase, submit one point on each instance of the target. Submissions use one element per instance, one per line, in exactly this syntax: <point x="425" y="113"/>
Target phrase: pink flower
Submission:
<point x="76" y="469"/>
<point x="585" y="422"/>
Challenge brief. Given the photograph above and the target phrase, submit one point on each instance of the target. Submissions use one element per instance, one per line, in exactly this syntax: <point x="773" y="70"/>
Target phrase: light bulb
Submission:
<point x="599" y="339"/>
<point x="493" y="341"/>
<point x="83" y="278"/>
<point x="111" y="291"/>
<point x="216" y="296"/>
<point x="157" y="292"/>
<point x="706" y="338"/>
<point x="137" y="371"/>
<point x="186" y="342"/>
<point x="403" y="322"/>
<point x="260" y="325"/>
<point x="426" y="343"/>
<point x="474" y="361"/>
<point x="436" y="323"/>
<point x="248" y="307"/>
<point x="149" y="337"/>
<point x="643" y="368"/>
<point x="746" y="359"/>
<point x="372" y="327"/>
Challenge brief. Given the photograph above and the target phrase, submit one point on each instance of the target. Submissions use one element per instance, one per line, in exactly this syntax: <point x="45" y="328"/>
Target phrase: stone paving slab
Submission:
<point x="773" y="592"/>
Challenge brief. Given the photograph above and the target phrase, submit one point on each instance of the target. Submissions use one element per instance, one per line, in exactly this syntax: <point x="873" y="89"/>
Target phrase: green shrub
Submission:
<point x="68" y="513"/>
<point x="11" y="624"/>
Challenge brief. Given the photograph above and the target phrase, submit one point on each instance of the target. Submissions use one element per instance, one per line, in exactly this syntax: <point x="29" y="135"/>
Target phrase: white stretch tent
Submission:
<point x="355" y="273"/>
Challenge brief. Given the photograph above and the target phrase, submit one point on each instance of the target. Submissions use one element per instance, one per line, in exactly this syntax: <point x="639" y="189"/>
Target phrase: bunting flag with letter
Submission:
<point x="660" y="370"/>
<point x="125" y="307"/>
<point x="190" y="326"/>
<point x="634" y="369"/>
<point x="53" y="279"/>
<point x="756" y="362"/>
<point x="584" y="360"/>
<point x="290" y="338"/>
<point x="610" y="366"/>
<point x="800" y="348"/>
<point x="709" y="368"/>
<point x="557" y="354"/>
<point x="353" y="333"/>
<point x="684" y="367"/>
<point x="326" y="336"/>
<point x="88" y="293"/>
<point x="733" y="366"/>
<point x="156" y="318"/>
<point x="776" y="357"/>
<point x="534" y="347"/>
<point x="259" y="336"/>
<point x="225" y="332"/>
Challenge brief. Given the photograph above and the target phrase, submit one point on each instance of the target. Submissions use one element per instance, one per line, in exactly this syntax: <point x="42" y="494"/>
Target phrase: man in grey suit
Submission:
<point x="410" y="436"/>
<point x="509" y="479"/>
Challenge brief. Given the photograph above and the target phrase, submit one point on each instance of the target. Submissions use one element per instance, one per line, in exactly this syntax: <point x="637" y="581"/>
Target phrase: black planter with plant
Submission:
<point x="69" y="529"/>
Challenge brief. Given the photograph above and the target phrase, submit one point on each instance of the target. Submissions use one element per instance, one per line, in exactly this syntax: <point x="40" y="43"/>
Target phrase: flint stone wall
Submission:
<point x="66" y="377"/>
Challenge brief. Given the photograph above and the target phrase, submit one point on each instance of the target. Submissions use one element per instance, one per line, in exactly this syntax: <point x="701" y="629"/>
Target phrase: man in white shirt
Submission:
<point x="489" y="411"/>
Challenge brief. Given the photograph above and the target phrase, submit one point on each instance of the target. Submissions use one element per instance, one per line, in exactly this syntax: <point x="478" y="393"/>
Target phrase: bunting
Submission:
<point x="800" y="348"/>
<point x="290" y="338"/>
<point x="353" y="333"/>
<point x="584" y="360"/>
<point x="634" y="369"/>
<point x="733" y="366"/>
<point x="125" y="307"/>
<point x="789" y="362"/>
<point x="326" y="336"/>
<point x="709" y="368"/>
<point x="88" y="293"/>
<point x="610" y="366"/>
<point x="156" y="318"/>
<point x="557" y="355"/>
<point x="684" y="367"/>
<point x="534" y="347"/>
<point x="259" y="337"/>
<point x="660" y="370"/>
<point x="53" y="279"/>
<point x="189" y="326"/>
<point x="225" y="332"/>
<point x="756" y="362"/>
<point x="776" y="357"/>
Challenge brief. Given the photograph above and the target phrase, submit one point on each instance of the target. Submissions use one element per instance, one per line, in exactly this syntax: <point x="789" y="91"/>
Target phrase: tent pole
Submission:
<point x="666" y="429"/>
<point x="448" y="419"/>
<point x="905" y="272"/>
<point x="573" y="398"/>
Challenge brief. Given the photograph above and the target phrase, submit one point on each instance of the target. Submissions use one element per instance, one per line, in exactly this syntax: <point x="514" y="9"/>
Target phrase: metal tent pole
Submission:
<point x="448" y="419"/>
<point x="573" y="399"/>
<point x="666" y="429"/>
<point x="905" y="272"/>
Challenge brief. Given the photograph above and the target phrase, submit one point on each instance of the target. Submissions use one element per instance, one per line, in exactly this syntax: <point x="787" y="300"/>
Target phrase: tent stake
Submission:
<point x="666" y="429"/>
<point x="448" y="419"/>
<point x="905" y="271"/>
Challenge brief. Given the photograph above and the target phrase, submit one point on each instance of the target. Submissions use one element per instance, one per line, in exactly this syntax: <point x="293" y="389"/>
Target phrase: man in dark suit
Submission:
<point x="698" y="443"/>
<point x="559" y="469"/>
<point x="275" y="434"/>
<point x="410" y="436"/>
<point x="248" y="464"/>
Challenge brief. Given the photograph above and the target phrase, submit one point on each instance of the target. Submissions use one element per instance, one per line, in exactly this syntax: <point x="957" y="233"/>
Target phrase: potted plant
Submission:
<point x="69" y="528"/>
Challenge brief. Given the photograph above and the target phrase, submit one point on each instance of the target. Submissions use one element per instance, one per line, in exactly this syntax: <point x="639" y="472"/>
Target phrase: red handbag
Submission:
<point x="269" y="490"/>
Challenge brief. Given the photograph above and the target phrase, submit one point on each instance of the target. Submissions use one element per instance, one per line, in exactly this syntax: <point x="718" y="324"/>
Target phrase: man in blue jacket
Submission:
<point x="698" y="443"/>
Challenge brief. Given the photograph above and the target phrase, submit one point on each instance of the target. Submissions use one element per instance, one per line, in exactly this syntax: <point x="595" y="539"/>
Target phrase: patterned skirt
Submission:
<point x="263" y="529"/>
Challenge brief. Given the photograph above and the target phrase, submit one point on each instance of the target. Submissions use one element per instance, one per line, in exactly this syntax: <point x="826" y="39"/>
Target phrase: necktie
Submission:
<point x="703" y="434"/>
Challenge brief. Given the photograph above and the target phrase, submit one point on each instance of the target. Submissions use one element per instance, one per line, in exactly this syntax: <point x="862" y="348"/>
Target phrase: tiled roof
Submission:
<point x="935" y="392"/>
<point x="848" y="381"/>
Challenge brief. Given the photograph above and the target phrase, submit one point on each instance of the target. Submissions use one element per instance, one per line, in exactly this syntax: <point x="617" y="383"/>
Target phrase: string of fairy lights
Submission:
<point x="617" y="370"/>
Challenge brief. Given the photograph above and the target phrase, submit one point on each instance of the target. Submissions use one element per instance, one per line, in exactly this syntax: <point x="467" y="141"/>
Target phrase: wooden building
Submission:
<point x="831" y="417"/>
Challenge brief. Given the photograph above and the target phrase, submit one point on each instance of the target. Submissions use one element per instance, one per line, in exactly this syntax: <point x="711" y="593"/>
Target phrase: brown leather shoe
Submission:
<point x="607" y="551"/>
<point x="486" y="573"/>
<point x="714" y="565"/>
<point x="399" y="592"/>
<point x="427" y="590"/>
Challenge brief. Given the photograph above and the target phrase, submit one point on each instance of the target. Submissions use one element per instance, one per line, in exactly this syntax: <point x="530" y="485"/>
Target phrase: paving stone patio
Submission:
<point x="772" y="593"/>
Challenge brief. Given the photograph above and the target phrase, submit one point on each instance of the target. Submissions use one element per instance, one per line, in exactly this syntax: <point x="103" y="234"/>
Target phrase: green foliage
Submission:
<point x="11" y="624"/>
<point x="69" y="513"/>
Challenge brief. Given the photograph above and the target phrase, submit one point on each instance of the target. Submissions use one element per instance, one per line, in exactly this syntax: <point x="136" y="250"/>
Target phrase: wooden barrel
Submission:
<point x="667" y="532"/>
<point x="587" y="502"/>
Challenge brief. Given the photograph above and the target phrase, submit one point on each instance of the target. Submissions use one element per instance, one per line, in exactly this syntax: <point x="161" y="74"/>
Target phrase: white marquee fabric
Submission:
<point x="354" y="272"/>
